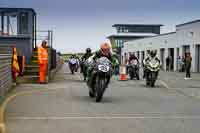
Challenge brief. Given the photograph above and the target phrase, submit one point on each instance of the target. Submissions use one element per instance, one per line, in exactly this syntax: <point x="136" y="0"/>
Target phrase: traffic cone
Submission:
<point x="123" y="73"/>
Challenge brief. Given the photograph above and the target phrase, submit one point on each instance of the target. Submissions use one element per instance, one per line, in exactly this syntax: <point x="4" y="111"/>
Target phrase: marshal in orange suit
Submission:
<point x="43" y="61"/>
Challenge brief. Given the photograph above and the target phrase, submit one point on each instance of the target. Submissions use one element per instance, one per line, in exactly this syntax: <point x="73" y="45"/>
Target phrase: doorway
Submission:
<point x="142" y="58"/>
<point x="171" y="55"/>
<point x="197" y="58"/>
<point x="177" y="56"/>
<point x="186" y="49"/>
<point x="138" y="55"/>
<point x="162" y="57"/>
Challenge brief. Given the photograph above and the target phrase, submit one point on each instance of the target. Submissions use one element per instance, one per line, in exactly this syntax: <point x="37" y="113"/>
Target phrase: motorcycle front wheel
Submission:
<point x="91" y="94"/>
<point x="100" y="88"/>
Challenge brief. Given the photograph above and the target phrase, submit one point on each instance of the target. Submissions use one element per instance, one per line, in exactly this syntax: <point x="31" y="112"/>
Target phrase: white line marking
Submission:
<point x="104" y="117"/>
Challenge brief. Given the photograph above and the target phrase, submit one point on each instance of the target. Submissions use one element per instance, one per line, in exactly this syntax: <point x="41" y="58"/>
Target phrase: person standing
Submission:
<point x="43" y="61"/>
<point x="188" y="63"/>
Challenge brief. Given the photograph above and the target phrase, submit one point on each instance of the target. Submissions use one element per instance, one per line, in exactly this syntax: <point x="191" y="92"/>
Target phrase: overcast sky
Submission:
<point x="78" y="24"/>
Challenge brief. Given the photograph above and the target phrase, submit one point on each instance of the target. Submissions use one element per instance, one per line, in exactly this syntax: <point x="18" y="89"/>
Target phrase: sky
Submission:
<point x="78" y="24"/>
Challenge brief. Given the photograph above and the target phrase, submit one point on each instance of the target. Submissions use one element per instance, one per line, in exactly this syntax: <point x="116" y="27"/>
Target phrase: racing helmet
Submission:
<point x="153" y="53"/>
<point x="105" y="49"/>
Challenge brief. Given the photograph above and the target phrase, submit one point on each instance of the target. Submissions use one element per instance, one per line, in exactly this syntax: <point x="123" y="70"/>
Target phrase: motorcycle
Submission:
<point x="72" y="65"/>
<point x="153" y="68"/>
<point x="134" y="70"/>
<point x="100" y="76"/>
<point x="77" y="65"/>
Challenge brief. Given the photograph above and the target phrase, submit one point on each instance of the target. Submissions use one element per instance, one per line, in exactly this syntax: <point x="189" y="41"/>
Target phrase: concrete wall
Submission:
<point x="186" y="35"/>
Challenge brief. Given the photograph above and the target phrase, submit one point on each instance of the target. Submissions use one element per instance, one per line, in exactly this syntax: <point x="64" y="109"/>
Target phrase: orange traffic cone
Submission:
<point x="123" y="73"/>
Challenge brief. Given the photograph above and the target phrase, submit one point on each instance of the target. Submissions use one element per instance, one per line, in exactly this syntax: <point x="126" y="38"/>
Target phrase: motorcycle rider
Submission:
<point x="74" y="56"/>
<point x="144" y="62"/>
<point x="87" y="54"/>
<point x="132" y="57"/>
<point x="105" y="51"/>
<point x="83" y="59"/>
<point x="152" y="54"/>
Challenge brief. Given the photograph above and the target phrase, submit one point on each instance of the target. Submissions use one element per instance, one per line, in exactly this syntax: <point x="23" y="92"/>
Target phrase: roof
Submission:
<point x="132" y="35"/>
<point x="156" y="35"/>
<point x="15" y="36"/>
<point x="153" y="25"/>
<point x="191" y="22"/>
<point x="4" y="9"/>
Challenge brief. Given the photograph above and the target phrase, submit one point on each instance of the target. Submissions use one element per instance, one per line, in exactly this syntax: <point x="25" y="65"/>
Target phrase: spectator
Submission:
<point x="188" y="62"/>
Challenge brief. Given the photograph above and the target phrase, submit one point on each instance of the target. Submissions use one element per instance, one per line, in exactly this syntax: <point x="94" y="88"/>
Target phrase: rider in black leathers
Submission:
<point x="83" y="59"/>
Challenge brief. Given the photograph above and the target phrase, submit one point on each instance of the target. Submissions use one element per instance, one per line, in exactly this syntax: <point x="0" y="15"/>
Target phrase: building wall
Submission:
<point x="23" y="45"/>
<point x="5" y="71"/>
<point x="186" y="35"/>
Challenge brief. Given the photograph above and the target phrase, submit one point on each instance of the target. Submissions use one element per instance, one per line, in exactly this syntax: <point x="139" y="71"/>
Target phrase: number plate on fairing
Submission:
<point x="103" y="68"/>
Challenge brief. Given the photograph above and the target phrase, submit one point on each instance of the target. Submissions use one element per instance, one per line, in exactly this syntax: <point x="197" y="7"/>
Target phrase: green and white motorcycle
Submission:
<point x="153" y="68"/>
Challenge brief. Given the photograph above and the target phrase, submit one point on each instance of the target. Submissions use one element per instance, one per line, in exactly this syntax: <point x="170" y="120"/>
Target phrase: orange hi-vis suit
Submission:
<point x="43" y="62"/>
<point x="15" y="65"/>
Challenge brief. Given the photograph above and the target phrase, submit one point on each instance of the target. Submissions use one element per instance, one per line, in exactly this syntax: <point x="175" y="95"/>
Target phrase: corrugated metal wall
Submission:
<point x="22" y="43"/>
<point x="5" y="70"/>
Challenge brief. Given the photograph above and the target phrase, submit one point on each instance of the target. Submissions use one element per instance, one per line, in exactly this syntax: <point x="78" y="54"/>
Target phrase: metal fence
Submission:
<point x="5" y="70"/>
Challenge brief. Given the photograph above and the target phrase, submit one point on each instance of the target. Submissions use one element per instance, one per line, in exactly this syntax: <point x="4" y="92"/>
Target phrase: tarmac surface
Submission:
<point x="63" y="106"/>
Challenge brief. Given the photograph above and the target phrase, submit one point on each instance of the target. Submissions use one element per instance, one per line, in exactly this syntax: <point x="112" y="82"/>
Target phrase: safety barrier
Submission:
<point x="5" y="71"/>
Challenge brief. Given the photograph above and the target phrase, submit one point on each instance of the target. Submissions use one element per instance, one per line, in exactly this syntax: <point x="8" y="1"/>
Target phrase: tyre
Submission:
<point x="131" y="76"/>
<point x="72" y="71"/>
<point x="147" y="83"/>
<point x="91" y="94"/>
<point x="137" y="76"/>
<point x="152" y="83"/>
<point x="100" y="88"/>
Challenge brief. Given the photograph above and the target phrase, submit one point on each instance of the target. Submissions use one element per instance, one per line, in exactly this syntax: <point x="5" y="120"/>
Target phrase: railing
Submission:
<point x="5" y="70"/>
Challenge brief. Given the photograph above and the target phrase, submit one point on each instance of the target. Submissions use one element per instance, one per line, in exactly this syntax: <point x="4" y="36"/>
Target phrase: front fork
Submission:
<point x="92" y="80"/>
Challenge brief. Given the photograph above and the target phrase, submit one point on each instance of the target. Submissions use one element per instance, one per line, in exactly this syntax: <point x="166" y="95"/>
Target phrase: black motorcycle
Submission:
<point x="134" y="70"/>
<point x="100" y="77"/>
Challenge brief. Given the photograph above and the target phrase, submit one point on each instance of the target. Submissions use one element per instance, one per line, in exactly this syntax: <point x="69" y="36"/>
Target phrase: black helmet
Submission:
<point x="88" y="50"/>
<point x="153" y="53"/>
